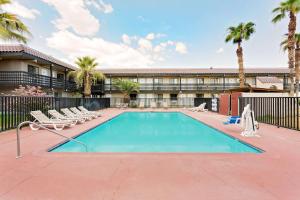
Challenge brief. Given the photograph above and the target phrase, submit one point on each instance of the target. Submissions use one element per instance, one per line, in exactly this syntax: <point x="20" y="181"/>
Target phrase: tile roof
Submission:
<point x="269" y="79"/>
<point x="33" y="52"/>
<point x="193" y="71"/>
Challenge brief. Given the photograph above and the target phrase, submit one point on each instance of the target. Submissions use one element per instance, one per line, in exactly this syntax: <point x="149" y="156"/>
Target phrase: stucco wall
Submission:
<point x="21" y="65"/>
<point x="259" y="84"/>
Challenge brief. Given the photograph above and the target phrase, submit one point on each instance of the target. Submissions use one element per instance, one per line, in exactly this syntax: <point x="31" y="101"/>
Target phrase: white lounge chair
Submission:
<point x="69" y="113"/>
<point x="200" y="108"/>
<point x="57" y="115"/>
<point x="86" y="111"/>
<point x="78" y="112"/>
<point x="124" y="105"/>
<point x="42" y="119"/>
<point x="118" y="105"/>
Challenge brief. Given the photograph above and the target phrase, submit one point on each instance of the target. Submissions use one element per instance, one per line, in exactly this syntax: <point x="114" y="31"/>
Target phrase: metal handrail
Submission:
<point x="45" y="128"/>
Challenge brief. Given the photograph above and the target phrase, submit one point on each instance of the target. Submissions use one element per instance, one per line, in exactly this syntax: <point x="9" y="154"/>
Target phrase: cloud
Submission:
<point x="152" y="36"/>
<point x="145" y="44"/>
<point x="75" y="15"/>
<point x="220" y="50"/>
<point x="109" y="54"/>
<point x="181" y="48"/>
<point x="100" y="5"/>
<point x="133" y="52"/>
<point x="22" y="11"/>
<point x="126" y="39"/>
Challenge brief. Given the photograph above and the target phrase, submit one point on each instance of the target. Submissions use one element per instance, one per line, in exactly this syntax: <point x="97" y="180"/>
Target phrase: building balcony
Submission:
<point x="15" y="78"/>
<point x="177" y="87"/>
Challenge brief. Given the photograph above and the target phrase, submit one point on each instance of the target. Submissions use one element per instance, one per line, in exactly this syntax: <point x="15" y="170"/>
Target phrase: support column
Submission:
<point x="51" y="78"/>
<point x="153" y="84"/>
<point x="180" y="82"/>
<point x="224" y="85"/>
<point x="110" y="83"/>
<point x="66" y="73"/>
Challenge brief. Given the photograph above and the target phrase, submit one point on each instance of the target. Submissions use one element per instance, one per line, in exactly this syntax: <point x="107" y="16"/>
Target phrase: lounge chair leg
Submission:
<point x="56" y="127"/>
<point x="33" y="127"/>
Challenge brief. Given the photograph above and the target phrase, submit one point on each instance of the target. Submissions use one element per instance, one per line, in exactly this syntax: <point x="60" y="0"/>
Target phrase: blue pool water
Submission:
<point x="155" y="132"/>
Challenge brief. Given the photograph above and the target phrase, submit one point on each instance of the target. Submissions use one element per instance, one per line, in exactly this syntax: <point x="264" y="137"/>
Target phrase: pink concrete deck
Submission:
<point x="274" y="174"/>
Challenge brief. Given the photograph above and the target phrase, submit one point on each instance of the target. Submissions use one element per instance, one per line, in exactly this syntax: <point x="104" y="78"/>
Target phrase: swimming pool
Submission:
<point x="156" y="132"/>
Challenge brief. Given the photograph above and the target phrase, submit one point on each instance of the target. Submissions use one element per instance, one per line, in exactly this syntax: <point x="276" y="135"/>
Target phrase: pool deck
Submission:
<point x="274" y="174"/>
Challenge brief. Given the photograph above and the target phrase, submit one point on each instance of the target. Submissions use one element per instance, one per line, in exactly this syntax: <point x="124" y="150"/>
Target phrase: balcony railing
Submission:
<point x="15" y="78"/>
<point x="178" y="87"/>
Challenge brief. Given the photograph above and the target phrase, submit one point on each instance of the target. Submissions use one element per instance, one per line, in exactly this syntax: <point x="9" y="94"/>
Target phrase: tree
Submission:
<point x="127" y="87"/>
<point x="87" y="74"/>
<point x="237" y="35"/>
<point x="11" y="27"/>
<point x="284" y="45"/>
<point x="291" y="8"/>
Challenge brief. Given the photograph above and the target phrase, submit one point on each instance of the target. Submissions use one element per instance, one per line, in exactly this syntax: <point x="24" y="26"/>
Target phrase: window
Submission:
<point x="133" y="97"/>
<point x="60" y="77"/>
<point x="173" y="81"/>
<point x="199" y="95"/>
<point x="160" y="96"/>
<point x="158" y="80"/>
<point x="32" y="69"/>
<point x="173" y="97"/>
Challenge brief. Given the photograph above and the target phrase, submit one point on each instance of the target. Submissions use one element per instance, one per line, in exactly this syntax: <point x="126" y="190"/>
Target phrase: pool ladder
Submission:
<point x="45" y="128"/>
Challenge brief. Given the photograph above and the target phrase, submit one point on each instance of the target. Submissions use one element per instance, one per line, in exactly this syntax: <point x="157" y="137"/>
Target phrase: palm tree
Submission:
<point x="291" y="8"/>
<point x="284" y="45"/>
<point x="87" y="74"/>
<point x="11" y="27"/>
<point x="237" y="35"/>
<point x="127" y="87"/>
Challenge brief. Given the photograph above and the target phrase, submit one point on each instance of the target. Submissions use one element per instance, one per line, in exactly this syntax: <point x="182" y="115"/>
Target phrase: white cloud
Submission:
<point x="108" y="54"/>
<point x="158" y="49"/>
<point x="181" y="48"/>
<point x="220" y="50"/>
<point x="126" y="39"/>
<point x="144" y="44"/>
<point x="22" y="11"/>
<point x="152" y="36"/>
<point x="100" y="5"/>
<point x="74" y="14"/>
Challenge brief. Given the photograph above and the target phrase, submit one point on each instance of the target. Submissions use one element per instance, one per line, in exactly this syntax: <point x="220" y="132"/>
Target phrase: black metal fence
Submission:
<point x="209" y="104"/>
<point x="278" y="111"/>
<point x="16" y="109"/>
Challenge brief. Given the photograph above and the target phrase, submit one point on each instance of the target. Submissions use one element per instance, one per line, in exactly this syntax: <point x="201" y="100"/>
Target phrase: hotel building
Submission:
<point x="21" y="65"/>
<point x="190" y="83"/>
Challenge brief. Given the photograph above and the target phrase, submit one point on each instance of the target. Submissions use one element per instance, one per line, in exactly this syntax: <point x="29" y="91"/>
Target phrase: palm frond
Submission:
<point x="13" y="28"/>
<point x="127" y="87"/>
<point x="284" y="8"/>
<point x="241" y="32"/>
<point x="278" y="18"/>
<point x="3" y="2"/>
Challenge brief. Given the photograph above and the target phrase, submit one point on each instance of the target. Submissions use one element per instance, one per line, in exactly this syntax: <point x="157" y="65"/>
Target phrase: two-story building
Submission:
<point x="184" y="83"/>
<point x="21" y="65"/>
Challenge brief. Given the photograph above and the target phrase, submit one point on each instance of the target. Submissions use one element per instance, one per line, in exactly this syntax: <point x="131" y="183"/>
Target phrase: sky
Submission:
<point x="156" y="33"/>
